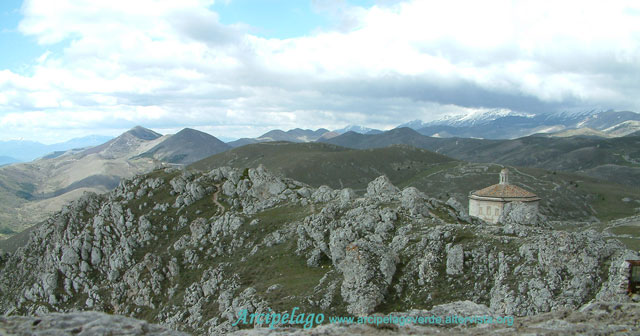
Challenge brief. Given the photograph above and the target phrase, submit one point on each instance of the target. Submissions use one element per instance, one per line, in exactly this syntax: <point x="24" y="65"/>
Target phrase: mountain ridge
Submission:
<point x="503" y="124"/>
<point x="186" y="146"/>
<point x="595" y="157"/>
<point x="32" y="190"/>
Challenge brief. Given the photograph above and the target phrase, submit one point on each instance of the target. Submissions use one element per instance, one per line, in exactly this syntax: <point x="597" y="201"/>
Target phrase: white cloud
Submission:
<point x="168" y="64"/>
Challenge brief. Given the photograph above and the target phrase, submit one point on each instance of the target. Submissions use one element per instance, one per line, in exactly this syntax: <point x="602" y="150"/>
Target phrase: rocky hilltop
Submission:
<point x="191" y="250"/>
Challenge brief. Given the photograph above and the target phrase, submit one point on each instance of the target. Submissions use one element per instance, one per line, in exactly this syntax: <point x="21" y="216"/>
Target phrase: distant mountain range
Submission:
<point x="294" y="135"/>
<point x="21" y="150"/>
<point x="302" y="135"/>
<point x="604" y="145"/>
<point x="358" y="129"/>
<point x="5" y="160"/>
<point x="498" y="124"/>
<point x="501" y="124"/>
<point x="612" y="159"/>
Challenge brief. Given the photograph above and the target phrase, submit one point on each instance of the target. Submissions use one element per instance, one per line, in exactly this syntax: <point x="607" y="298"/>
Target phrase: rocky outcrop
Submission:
<point x="381" y="188"/>
<point x="368" y="269"/>
<point x="81" y="324"/>
<point x="596" y="318"/>
<point x="191" y="251"/>
<point x="521" y="214"/>
<point x="455" y="259"/>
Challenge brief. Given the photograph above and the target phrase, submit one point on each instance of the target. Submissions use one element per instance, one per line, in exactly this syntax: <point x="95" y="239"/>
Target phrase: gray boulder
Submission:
<point x="368" y="269"/>
<point x="265" y="185"/>
<point x="519" y="213"/>
<point x="455" y="259"/>
<point x="87" y="323"/>
<point x="381" y="188"/>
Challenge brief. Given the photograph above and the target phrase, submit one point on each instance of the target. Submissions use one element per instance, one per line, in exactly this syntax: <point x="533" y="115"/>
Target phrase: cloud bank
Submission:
<point x="170" y="64"/>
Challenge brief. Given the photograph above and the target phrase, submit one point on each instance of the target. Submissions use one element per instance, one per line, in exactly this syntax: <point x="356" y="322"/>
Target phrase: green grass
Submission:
<point x="279" y="265"/>
<point x="6" y="231"/>
<point x="606" y="199"/>
<point x="565" y="195"/>
<point x="275" y="218"/>
<point x="442" y="213"/>
<point x="323" y="164"/>
<point x="630" y="243"/>
<point x="632" y="230"/>
<point x="429" y="171"/>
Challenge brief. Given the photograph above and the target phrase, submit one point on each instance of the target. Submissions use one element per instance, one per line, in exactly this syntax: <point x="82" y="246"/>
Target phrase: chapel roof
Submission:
<point x="504" y="191"/>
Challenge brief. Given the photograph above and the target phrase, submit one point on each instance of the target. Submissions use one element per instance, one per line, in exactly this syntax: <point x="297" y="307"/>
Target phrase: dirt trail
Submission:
<point x="215" y="199"/>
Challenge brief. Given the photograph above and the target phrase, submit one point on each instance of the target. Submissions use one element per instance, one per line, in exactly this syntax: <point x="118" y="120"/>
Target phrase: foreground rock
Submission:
<point x="81" y="324"/>
<point x="191" y="251"/>
<point x="598" y="318"/>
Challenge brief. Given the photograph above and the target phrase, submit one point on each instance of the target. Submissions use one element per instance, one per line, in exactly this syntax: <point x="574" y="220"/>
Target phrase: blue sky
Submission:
<point x="267" y="18"/>
<point x="273" y="18"/>
<point x="239" y="68"/>
<point x="18" y="51"/>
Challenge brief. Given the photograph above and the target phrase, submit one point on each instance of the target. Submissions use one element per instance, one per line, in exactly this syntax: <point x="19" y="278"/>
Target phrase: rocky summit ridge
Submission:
<point x="191" y="250"/>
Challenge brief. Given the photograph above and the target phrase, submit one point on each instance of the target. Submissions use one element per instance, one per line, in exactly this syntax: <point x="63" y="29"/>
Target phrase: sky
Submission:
<point x="238" y="68"/>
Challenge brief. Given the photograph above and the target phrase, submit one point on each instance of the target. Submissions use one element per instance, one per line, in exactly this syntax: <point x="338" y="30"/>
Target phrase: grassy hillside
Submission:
<point x="564" y="195"/>
<point x="337" y="167"/>
<point x="186" y="146"/>
<point x="616" y="159"/>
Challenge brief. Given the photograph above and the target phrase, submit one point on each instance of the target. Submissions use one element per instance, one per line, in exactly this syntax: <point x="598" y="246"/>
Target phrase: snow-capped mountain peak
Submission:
<point x="505" y="123"/>
<point x="354" y="128"/>
<point x="472" y="118"/>
<point x="414" y="124"/>
<point x="477" y="117"/>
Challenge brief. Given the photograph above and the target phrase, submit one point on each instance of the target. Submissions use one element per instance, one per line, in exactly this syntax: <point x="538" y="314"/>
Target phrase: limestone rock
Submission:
<point x="414" y="201"/>
<point x="265" y="184"/>
<point x="460" y="211"/>
<point x="69" y="256"/>
<point x="82" y="324"/>
<point x="195" y="266"/>
<point x="368" y="269"/>
<point x="323" y="194"/>
<point x="455" y="259"/>
<point x="382" y="188"/>
<point x="519" y="213"/>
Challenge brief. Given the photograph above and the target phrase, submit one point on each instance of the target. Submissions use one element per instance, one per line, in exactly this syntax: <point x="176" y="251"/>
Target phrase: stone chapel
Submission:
<point x="488" y="203"/>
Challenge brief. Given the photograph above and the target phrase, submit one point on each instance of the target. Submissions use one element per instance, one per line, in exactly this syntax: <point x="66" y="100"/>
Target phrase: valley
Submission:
<point x="30" y="192"/>
<point x="616" y="160"/>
